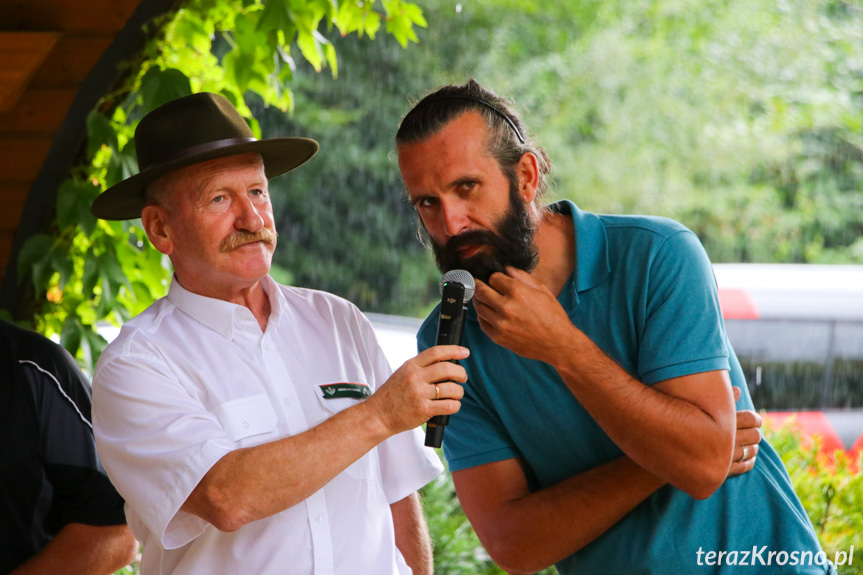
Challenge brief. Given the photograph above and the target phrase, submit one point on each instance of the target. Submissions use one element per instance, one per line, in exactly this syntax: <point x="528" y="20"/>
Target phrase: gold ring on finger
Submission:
<point x="436" y="392"/>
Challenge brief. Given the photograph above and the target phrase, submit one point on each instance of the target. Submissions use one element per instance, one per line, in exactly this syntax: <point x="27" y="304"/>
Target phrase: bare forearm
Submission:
<point x="676" y="439"/>
<point x="257" y="482"/>
<point x="84" y="550"/>
<point x="412" y="535"/>
<point x="538" y="529"/>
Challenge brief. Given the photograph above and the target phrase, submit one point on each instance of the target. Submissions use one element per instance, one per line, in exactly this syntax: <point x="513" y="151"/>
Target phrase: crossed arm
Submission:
<point x="529" y="531"/>
<point x="680" y="431"/>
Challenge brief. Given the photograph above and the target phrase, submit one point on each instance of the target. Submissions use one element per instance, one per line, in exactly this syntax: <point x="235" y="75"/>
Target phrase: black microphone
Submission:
<point x="456" y="288"/>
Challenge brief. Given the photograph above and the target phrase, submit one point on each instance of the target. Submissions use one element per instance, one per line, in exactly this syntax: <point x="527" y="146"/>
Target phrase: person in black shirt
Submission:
<point x="58" y="510"/>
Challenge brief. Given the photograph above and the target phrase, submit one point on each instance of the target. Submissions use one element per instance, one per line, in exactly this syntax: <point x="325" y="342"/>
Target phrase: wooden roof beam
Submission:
<point x="23" y="53"/>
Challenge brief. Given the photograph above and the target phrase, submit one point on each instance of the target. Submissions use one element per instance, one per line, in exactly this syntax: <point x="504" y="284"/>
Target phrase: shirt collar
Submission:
<point x="591" y="246"/>
<point x="222" y="316"/>
<point x="591" y="251"/>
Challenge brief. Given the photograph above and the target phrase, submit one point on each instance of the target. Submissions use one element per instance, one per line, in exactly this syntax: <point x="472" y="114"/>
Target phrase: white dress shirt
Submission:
<point x="193" y="378"/>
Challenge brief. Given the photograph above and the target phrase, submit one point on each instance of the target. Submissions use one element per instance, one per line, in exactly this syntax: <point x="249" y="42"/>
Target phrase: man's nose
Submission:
<point x="455" y="218"/>
<point x="248" y="215"/>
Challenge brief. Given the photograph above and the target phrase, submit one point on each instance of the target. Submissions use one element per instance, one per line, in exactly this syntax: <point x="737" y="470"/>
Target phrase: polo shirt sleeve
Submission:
<point x="405" y="463"/>
<point x="82" y="492"/>
<point x="682" y="331"/>
<point x="156" y="442"/>
<point x="475" y="435"/>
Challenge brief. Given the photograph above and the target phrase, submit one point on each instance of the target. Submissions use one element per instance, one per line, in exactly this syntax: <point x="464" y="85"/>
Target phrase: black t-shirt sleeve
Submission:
<point x="82" y="492"/>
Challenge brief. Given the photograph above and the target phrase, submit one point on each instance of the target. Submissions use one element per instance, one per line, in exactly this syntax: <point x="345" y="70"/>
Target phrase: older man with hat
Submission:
<point x="253" y="427"/>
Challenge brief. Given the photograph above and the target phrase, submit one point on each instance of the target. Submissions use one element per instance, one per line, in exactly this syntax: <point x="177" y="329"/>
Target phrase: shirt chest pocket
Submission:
<point x="365" y="467"/>
<point x="248" y="421"/>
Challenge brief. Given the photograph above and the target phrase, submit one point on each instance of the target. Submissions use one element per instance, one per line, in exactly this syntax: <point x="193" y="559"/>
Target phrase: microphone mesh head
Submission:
<point x="462" y="277"/>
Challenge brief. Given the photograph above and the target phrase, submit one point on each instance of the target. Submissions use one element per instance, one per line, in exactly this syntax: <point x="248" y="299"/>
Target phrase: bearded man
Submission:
<point x="597" y="429"/>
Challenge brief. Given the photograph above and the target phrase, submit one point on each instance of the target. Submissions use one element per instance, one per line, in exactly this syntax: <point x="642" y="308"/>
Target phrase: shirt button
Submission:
<point x="266" y="347"/>
<point x="246" y="424"/>
<point x="287" y="401"/>
<point x="318" y="517"/>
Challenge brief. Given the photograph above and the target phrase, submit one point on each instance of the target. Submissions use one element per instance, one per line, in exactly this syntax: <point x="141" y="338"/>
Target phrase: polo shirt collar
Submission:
<point x="221" y="316"/>
<point x="591" y="251"/>
<point x="591" y="246"/>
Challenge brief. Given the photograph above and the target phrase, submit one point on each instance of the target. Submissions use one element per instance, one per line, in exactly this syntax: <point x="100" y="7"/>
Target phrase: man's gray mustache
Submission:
<point x="242" y="238"/>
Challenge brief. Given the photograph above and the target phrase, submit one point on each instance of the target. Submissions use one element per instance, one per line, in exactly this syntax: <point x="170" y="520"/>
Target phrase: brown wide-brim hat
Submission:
<point x="187" y="131"/>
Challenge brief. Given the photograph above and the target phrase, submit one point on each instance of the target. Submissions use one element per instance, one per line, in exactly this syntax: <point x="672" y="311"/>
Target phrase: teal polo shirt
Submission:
<point x="643" y="291"/>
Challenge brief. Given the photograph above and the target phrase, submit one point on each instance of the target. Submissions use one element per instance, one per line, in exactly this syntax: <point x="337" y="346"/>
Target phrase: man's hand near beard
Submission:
<point x="522" y="315"/>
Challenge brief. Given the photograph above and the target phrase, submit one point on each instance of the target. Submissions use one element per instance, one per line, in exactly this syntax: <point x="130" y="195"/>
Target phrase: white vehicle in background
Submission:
<point x="397" y="336"/>
<point x="797" y="330"/>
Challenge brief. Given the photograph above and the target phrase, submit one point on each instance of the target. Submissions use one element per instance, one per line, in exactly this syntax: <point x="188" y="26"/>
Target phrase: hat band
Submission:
<point x="204" y="148"/>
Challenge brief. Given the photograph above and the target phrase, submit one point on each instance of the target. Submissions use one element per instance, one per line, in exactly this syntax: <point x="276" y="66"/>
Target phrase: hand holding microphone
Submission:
<point x="403" y="402"/>
<point x="457" y="288"/>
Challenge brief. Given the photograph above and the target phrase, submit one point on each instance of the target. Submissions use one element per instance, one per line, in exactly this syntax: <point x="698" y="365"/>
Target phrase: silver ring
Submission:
<point x="436" y="392"/>
<point x="745" y="453"/>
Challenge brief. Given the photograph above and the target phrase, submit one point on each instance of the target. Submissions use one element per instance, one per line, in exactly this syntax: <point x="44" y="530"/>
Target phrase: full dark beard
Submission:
<point x="511" y="245"/>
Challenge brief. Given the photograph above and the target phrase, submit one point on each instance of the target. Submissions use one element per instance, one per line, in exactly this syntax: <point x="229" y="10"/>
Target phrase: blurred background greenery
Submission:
<point x="741" y="118"/>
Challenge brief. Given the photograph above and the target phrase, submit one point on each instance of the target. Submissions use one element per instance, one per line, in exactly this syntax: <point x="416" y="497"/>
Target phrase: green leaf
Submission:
<point x="73" y="205"/>
<point x="239" y="68"/>
<point x="277" y="15"/>
<point x="251" y="60"/>
<point x="255" y="126"/>
<point x="71" y="336"/>
<point x="122" y="165"/>
<point x="332" y="59"/>
<point x="371" y="24"/>
<point x="414" y="14"/>
<point x="106" y="300"/>
<point x="62" y="263"/>
<point x="95" y="345"/>
<point x="160" y="86"/>
<point x="110" y="269"/>
<point x="100" y="133"/>
<point x="36" y="256"/>
<point x="401" y="29"/>
<point x="91" y="275"/>
<point x="310" y="49"/>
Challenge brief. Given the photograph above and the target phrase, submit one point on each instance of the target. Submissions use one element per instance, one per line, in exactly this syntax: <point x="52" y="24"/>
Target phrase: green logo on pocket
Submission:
<point x="337" y="390"/>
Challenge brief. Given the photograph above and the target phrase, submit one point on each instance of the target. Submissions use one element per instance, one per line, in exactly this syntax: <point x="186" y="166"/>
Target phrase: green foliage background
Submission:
<point x="830" y="486"/>
<point x="85" y="271"/>
<point x="740" y="118"/>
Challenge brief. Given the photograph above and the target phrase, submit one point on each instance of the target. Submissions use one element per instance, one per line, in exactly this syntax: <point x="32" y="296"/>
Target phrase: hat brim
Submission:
<point x="125" y="200"/>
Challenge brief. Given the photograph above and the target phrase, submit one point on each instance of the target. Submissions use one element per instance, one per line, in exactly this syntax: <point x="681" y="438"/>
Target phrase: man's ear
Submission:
<point x="154" y="219"/>
<point x="527" y="172"/>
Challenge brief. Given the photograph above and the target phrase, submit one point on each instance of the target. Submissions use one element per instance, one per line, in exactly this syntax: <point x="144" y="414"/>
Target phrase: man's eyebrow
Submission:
<point x="205" y="188"/>
<point x="462" y="180"/>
